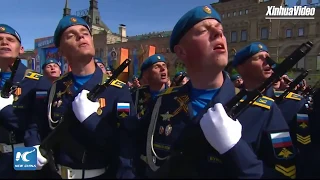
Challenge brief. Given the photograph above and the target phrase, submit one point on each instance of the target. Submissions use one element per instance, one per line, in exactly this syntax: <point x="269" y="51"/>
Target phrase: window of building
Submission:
<point x="244" y="35"/>
<point x="240" y="12"/>
<point x="234" y="36"/>
<point x="101" y="53"/>
<point x="318" y="62"/>
<point x="288" y="33"/>
<point x="222" y="15"/>
<point x="246" y="11"/>
<point x="226" y="35"/>
<point x="300" y="32"/>
<point x="97" y="20"/>
<point x="234" y="13"/>
<point x="228" y="15"/>
<point x="300" y="63"/>
<point x="264" y="33"/>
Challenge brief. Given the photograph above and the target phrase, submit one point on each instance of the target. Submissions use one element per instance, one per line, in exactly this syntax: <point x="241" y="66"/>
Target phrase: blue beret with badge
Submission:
<point x="178" y="74"/>
<point x="98" y="60"/>
<point x="65" y="23"/>
<point x="247" y="52"/>
<point x="49" y="61"/>
<point x="108" y="69"/>
<point x="235" y="77"/>
<point x="134" y="77"/>
<point x="9" y="30"/>
<point x="152" y="60"/>
<point x="188" y="20"/>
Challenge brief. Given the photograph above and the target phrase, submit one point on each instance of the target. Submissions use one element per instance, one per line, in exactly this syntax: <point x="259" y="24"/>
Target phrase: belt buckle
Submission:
<point x="66" y="173"/>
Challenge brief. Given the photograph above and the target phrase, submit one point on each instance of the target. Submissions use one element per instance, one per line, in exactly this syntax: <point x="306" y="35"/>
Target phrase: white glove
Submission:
<point x="4" y="102"/>
<point x="41" y="161"/>
<point x="220" y="130"/>
<point x="83" y="107"/>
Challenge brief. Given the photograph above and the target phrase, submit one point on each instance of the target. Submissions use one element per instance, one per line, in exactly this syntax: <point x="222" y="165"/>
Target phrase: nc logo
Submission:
<point x="25" y="159"/>
<point x="23" y="156"/>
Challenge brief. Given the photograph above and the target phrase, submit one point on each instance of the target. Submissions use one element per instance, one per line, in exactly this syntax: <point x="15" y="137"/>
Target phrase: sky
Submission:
<point x="38" y="18"/>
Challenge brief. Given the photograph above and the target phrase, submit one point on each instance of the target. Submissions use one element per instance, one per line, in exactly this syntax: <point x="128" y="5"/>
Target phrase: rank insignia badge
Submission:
<point x="2" y="28"/>
<point x="207" y="10"/>
<point x="166" y="116"/>
<point x="123" y="110"/>
<point x="74" y="20"/>
<point x="282" y="145"/>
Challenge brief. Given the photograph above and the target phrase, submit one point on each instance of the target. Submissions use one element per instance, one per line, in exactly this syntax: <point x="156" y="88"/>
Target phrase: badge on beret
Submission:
<point x="51" y="61"/>
<point x="207" y="10"/>
<point x="2" y="29"/>
<point x="73" y="20"/>
<point x="260" y="46"/>
<point x="159" y="57"/>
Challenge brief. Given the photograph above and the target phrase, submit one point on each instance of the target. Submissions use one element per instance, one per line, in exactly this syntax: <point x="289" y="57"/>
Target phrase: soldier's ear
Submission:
<point x="21" y="51"/>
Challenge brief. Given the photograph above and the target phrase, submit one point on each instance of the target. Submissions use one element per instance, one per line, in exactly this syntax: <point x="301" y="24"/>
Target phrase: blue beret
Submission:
<point x="98" y="60"/>
<point x="191" y="18"/>
<point x="108" y="69"/>
<point x="65" y="23"/>
<point x="152" y="60"/>
<point x="50" y="61"/>
<point x="247" y="52"/>
<point x="235" y="77"/>
<point x="9" y="30"/>
<point x="178" y="74"/>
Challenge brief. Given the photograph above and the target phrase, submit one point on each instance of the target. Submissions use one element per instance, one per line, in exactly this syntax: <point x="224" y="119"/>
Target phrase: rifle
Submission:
<point x="292" y="85"/>
<point x="192" y="136"/>
<point x="183" y="75"/>
<point x="8" y="86"/>
<point x="56" y="135"/>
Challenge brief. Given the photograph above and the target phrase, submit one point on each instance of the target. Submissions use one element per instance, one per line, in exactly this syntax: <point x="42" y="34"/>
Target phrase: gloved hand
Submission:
<point x="220" y="130"/>
<point x="4" y="102"/>
<point x="41" y="161"/>
<point x="83" y="107"/>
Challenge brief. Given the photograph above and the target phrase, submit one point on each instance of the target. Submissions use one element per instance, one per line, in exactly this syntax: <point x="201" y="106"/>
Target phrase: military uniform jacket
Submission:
<point x="141" y="98"/>
<point x="14" y="118"/>
<point x="103" y="136"/>
<point x="171" y="116"/>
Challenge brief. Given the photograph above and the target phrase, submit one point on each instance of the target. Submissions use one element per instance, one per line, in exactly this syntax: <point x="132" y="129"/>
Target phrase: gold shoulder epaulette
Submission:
<point x="33" y="75"/>
<point x="293" y="96"/>
<point x="61" y="77"/>
<point x="264" y="102"/>
<point x="170" y="90"/>
<point x="117" y="83"/>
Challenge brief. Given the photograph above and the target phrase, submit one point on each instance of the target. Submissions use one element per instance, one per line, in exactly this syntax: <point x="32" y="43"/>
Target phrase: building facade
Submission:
<point x="244" y="22"/>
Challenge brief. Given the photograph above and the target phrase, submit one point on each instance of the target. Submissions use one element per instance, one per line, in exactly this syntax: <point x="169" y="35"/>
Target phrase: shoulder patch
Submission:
<point x="170" y="90"/>
<point x="33" y="75"/>
<point x="294" y="96"/>
<point x="61" y="77"/>
<point x="264" y="102"/>
<point x="117" y="83"/>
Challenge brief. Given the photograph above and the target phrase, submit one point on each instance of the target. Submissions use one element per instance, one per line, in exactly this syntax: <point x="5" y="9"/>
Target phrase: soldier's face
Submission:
<point x="158" y="73"/>
<point x="256" y="68"/>
<point x="52" y="70"/>
<point x="109" y="73"/>
<point x="10" y="47"/>
<point x="77" y="43"/>
<point x="204" y="46"/>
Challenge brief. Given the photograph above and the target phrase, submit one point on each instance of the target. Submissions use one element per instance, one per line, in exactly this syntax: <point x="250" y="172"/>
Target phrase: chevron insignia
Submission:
<point x="304" y="139"/>
<point x="289" y="172"/>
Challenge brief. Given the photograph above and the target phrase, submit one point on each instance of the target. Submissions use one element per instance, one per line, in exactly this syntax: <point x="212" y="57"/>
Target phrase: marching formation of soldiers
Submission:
<point x="154" y="127"/>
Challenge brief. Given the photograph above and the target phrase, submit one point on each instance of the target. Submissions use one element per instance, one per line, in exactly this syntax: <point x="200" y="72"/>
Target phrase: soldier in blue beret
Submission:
<point x="51" y="69"/>
<point x="211" y="149"/>
<point x="177" y="78"/>
<point x="109" y="71"/>
<point x="101" y="65"/>
<point x="16" y="109"/>
<point x="293" y="108"/>
<point x="101" y="129"/>
<point x="237" y="80"/>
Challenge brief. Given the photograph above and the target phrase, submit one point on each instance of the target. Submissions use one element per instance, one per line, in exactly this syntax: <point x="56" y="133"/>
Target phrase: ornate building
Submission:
<point x="244" y="21"/>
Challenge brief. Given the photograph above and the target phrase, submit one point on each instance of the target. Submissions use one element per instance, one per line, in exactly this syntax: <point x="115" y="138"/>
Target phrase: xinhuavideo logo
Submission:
<point x="25" y="159"/>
